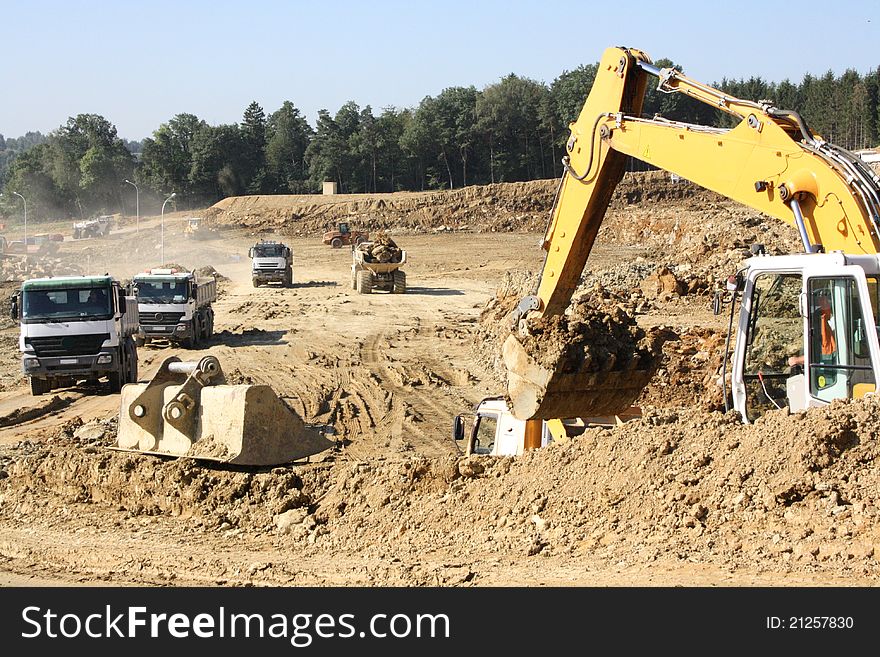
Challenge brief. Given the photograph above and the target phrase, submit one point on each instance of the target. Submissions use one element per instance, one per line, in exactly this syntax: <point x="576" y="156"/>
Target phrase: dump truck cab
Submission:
<point x="76" y="328"/>
<point x="175" y="305"/>
<point x="271" y="262"/>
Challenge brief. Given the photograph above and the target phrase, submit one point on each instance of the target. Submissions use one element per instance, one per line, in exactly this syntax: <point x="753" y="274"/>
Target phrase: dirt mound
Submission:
<point x="789" y="493"/>
<point x="495" y="207"/>
<point x="690" y="372"/>
<point x="594" y="335"/>
<point x="21" y="268"/>
<point x="209" y="271"/>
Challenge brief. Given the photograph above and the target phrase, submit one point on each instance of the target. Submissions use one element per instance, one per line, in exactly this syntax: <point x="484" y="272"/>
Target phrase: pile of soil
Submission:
<point x="20" y="268"/>
<point x="793" y="493"/>
<point x="208" y="270"/>
<point x="381" y="249"/>
<point x="479" y="208"/>
<point x="594" y="335"/>
<point x="597" y="333"/>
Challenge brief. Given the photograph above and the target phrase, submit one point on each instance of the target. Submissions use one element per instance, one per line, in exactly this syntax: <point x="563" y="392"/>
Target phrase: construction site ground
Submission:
<point x="684" y="496"/>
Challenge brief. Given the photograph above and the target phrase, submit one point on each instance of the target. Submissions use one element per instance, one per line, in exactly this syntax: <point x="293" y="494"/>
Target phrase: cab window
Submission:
<point x="840" y="357"/>
<point x="484" y="440"/>
<point x="775" y="336"/>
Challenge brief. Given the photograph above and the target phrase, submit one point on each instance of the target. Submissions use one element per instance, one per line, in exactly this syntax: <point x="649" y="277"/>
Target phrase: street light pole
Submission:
<point x="137" y="201"/>
<point x="173" y="194"/>
<point x="25" y="220"/>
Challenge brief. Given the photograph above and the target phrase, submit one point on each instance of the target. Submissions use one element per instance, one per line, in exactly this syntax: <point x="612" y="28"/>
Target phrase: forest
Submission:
<point x="512" y="130"/>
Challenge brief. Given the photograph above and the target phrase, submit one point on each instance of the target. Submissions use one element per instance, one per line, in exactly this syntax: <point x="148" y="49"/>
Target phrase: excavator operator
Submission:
<point x="826" y="333"/>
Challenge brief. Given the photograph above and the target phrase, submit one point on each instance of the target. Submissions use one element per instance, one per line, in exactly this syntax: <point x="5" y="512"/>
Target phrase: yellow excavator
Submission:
<point x="824" y="301"/>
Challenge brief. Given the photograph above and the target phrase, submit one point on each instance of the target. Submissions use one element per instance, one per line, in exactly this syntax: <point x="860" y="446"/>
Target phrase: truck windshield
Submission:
<point x="269" y="251"/>
<point x="158" y="290"/>
<point x="66" y="304"/>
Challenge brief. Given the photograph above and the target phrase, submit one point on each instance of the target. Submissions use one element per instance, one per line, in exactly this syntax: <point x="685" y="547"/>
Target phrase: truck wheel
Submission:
<point x="139" y="342"/>
<point x="76" y="234"/>
<point x="359" y="240"/>
<point x="117" y="378"/>
<point x="354" y="284"/>
<point x="256" y="282"/>
<point x="196" y="332"/>
<point x="39" y="386"/>
<point x="399" y="285"/>
<point x="336" y="243"/>
<point x="365" y="281"/>
<point x="132" y="363"/>
<point x="209" y="331"/>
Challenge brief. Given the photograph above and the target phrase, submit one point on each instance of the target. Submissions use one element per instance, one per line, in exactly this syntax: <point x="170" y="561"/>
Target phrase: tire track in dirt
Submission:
<point x="418" y="411"/>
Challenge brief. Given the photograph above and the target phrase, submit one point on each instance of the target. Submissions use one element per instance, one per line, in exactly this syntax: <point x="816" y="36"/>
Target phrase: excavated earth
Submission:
<point x="684" y="495"/>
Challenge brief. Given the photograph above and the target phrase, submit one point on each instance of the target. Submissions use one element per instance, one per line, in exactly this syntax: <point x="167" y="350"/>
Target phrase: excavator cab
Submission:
<point x="807" y="333"/>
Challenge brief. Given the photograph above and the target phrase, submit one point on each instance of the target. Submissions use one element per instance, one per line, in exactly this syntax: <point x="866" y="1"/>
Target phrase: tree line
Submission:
<point x="512" y="130"/>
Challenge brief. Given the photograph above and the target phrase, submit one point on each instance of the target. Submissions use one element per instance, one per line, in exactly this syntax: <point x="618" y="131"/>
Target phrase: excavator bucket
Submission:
<point x="560" y="386"/>
<point x="188" y="410"/>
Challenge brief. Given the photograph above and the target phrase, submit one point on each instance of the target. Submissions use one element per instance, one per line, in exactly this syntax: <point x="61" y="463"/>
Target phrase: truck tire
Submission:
<point x="132" y="363"/>
<point x="192" y="341"/>
<point x="139" y="342"/>
<point x="76" y="234"/>
<point x="117" y="378"/>
<point x="39" y="386"/>
<point x="336" y="243"/>
<point x="399" y="285"/>
<point x="365" y="281"/>
<point x="256" y="282"/>
<point x="288" y="278"/>
<point x="209" y="330"/>
<point x="354" y="284"/>
<point x="359" y="240"/>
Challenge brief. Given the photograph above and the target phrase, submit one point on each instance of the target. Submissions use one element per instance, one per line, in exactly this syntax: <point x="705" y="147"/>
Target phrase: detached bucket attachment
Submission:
<point x="188" y="410"/>
<point x="565" y="388"/>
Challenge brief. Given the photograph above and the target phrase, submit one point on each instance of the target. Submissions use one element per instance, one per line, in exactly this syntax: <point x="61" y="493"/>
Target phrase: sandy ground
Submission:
<point x="395" y="503"/>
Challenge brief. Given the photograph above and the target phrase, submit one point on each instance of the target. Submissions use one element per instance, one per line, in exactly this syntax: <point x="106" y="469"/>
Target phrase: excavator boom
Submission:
<point x="769" y="161"/>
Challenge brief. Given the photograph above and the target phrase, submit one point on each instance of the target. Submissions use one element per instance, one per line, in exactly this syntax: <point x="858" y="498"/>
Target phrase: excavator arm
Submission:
<point x="769" y="161"/>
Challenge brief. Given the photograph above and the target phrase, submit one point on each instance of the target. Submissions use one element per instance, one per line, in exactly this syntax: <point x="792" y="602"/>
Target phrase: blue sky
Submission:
<point x="139" y="64"/>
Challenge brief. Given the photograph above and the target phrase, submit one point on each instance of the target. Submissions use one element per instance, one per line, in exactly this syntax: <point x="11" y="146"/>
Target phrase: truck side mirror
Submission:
<point x="120" y="300"/>
<point x="251" y="252"/>
<point x="13" y="306"/>
<point x="192" y="291"/>
<point x="458" y="428"/>
<point x="716" y="303"/>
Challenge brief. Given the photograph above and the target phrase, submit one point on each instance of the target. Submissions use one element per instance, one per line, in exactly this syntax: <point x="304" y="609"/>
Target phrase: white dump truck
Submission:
<point x="174" y="305"/>
<point x="494" y="431"/>
<point x="76" y="328"/>
<point x="271" y="262"/>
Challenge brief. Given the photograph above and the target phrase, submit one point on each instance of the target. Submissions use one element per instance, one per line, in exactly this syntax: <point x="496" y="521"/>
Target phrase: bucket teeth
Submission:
<point x="548" y="391"/>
